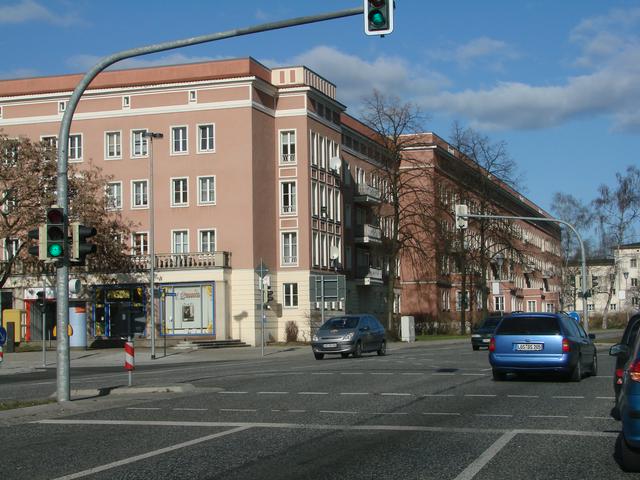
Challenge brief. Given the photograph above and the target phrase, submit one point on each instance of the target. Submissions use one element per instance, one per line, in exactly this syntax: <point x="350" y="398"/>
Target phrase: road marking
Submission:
<point x="153" y="453"/>
<point x="548" y="416"/>
<point x="354" y="393"/>
<point x="338" y="411"/>
<point x="438" y="395"/>
<point x="381" y="373"/>
<point x="567" y="396"/>
<point x="443" y="374"/>
<point x="389" y="413"/>
<point x="600" y="418"/>
<point x="412" y="373"/>
<point x="272" y="393"/>
<point x="238" y="410"/>
<point x="491" y="415"/>
<point x="397" y="394"/>
<point x="479" y="395"/>
<point x="523" y="396"/>
<point x="351" y="373"/>
<point x="296" y="411"/>
<point x="322" y="373"/>
<point x="191" y="409"/>
<point x="143" y="408"/>
<point x="313" y="393"/>
<point x="473" y="375"/>
<point x="479" y="463"/>
<point x="230" y="392"/>
<point x="606" y="398"/>
<point x="441" y="413"/>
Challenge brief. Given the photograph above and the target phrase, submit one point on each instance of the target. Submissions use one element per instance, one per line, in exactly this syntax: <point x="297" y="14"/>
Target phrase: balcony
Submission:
<point x="368" y="234"/>
<point x="368" y="276"/>
<point x="367" y="195"/>
<point x="182" y="261"/>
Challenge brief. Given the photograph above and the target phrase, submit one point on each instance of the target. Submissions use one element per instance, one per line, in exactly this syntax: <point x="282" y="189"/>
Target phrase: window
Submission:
<point x="180" y="243"/>
<point x="634" y="263"/>
<point x="179" y="140"/>
<point x="138" y="143"/>
<point x="288" y="146"/>
<point x="499" y="303"/>
<point x="613" y="307"/>
<point x="207" y="190"/>
<point x="10" y="248"/>
<point x="179" y="192"/>
<point x="139" y="194"/>
<point x="590" y="307"/>
<point x="113" y="145"/>
<point x="75" y="147"/>
<point x="316" y="249"/>
<point x="531" y="306"/>
<point x="445" y="301"/>
<point x="114" y="195"/>
<point x="140" y="243"/>
<point x="288" y="197"/>
<point x="290" y="294"/>
<point x="289" y="248"/>
<point x="635" y="301"/>
<point x="314" y="199"/>
<point x="206" y="141"/>
<point x="459" y="301"/>
<point x="126" y="101"/>
<point x="634" y="282"/>
<point x="550" y="308"/>
<point x="50" y="141"/>
<point x="207" y="241"/>
<point x="193" y="96"/>
<point x="62" y="106"/>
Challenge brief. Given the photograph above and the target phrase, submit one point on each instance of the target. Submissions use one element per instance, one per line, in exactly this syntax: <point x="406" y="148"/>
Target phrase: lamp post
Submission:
<point x="152" y="249"/>
<point x="499" y="258"/>
<point x="626" y="276"/>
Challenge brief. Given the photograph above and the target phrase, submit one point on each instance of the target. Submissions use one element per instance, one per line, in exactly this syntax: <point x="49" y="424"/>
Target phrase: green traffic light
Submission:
<point x="55" y="250"/>
<point x="377" y="18"/>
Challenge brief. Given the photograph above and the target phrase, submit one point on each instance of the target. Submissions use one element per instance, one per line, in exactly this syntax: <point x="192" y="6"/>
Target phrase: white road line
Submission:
<point x="228" y="392"/>
<point x="479" y="395"/>
<point x="492" y="415"/>
<point x="191" y="409"/>
<point x="600" y="418"/>
<point x="272" y="393"/>
<point x="322" y="373"/>
<point x="441" y="413"/>
<point x="389" y="413"/>
<point x="606" y="398"/>
<point x="412" y="373"/>
<point x="479" y="463"/>
<point x="296" y="411"/>
<point x="523" y="396"/>
<point x="143" y="408"/>
<point x="351" y="373"/>
<point x="443" y="374"/>
<point x="438" y="395"/>
<point x="338" y="412"/>
<point x="397" y="394"/>
<point x="381" y="373"/>
<point x="313" y="393"/>
<point x="238" y="410"/>
<point x="354" y="393"/>
<point x="567" y="396"/>
<point x="548" y="416"/>
<point x="474" y="375"/>
<point x="126" y="461"/>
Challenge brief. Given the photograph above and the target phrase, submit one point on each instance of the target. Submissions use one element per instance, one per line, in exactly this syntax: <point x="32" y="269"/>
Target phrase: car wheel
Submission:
<point x="594" y="366"/>
<point x="499" y="376"/>
<point x="344" y="355"/>
<point x="576" y="374"/>
<point x="630" y="457"/>
<point x="383" y="348"/>
<point x="476" y="347"/>
<point x="357" y="353"/>
<point x="319" y="356"/>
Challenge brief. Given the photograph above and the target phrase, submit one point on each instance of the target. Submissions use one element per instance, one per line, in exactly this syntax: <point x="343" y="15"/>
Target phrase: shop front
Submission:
<point x="188" y="309"/>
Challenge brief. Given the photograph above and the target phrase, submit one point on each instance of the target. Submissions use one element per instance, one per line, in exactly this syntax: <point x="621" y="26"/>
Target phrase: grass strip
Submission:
<point x="13" y="404"/>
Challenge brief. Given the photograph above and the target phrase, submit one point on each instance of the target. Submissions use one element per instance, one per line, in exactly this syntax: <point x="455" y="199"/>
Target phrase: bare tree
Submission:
<point x="28" y="175"/>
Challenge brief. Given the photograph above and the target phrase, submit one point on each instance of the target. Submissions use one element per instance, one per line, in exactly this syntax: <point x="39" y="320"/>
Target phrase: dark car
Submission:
<point x="622" y="351"/>
<point x="347" y="334"/>
<point x="627" y="407"/>
<point x="481" y="335"/>
<point x="542" y="342"/>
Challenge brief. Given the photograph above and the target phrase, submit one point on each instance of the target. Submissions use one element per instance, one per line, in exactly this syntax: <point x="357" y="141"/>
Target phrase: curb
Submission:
<point x="102" y="392"/>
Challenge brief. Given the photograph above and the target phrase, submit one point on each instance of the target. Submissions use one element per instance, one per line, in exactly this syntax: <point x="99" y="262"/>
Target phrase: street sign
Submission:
<point x="262" y="269"/>
<point x="3" y="336"/>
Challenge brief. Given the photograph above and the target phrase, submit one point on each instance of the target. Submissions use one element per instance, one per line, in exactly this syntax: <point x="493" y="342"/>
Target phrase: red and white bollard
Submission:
<point x="129" y="360"/>
<point x="1" y="355"/>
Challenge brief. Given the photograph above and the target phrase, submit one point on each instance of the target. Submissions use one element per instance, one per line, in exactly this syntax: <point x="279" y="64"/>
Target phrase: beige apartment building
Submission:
<point x="254" y="165"/>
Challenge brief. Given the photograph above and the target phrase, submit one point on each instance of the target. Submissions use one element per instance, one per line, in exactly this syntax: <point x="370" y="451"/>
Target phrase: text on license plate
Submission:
<point x="330" y="345"/>
<point x="528" y="346"/>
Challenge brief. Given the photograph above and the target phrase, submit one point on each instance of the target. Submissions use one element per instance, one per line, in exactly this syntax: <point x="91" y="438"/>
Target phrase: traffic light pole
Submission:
<point x="62" y="278"/>
<point x="585" y="310"/>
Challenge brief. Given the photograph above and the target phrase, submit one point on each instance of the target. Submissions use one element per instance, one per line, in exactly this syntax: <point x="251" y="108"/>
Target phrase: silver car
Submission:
<point x="347" y="334"/>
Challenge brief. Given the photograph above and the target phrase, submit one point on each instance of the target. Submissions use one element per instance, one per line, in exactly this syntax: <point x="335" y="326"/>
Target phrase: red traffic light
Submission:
<point x="55" y="215"/>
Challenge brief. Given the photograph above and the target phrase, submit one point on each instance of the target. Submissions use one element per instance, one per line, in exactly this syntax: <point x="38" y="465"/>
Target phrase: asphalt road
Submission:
<point x="425" y="412"/>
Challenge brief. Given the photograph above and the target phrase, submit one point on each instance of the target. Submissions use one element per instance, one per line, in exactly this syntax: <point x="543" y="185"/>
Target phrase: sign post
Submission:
<point x="3" y="339"/>
<point x="262" y="270"/>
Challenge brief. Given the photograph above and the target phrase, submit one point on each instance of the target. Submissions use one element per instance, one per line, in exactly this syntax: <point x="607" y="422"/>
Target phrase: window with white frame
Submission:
<point x="207" y="190"/>
<point x="288" y="146"/>
<point x="459" y="301"/>
<point x="289" y="248"/>
<point x="613" y="307"/>
<point x="50" y="141"/>
<point x="338" y="215"/>
<point x="206" y="138"/>
<point x="324" y="250"/>
<point x="288" y="197"/>
<point x="139" y="143"/>
<point x="531" y="306"/>
<point x="180" y="241"/>
<point x="634" y="282"/>
<point x="316" y="249"/>
<point x="633" y="263"/>
<point x="140" y="245"/>
<point x="550" y="308"/>
<point x="179" y="140"/>
<point x="313" y="148"/>
<point x="62" y="106"/>
<point x="113" y="145"/>
<point x="323" y="152"/>
<point x="10" y="248"/>
<point x="314" y="199"/>
<point x="114" y="195"/>
<point x="139" y="193"/>
<point x="193" y="96"/>
<point x="290" y="294"/>
<point x="179" y="192"/>
<point x="499" y="303"/>
<point x="207" y="241"/>
<point x="322" y="193"/>
<point x="75" y="147"/>
<point x="590" y="307"/>
<point x="126" y="101"/>
<point x="445" y="301"/>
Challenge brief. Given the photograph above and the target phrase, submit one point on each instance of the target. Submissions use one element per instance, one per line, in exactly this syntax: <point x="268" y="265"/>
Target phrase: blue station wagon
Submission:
<point x="542" y="343"/>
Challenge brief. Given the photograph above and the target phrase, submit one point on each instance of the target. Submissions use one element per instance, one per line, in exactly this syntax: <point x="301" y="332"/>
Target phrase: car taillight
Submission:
<point x="492" y="344"/>
<point x="634" y="371"/>
<point x="619" y="374"/>
<point x="565" y="345"/>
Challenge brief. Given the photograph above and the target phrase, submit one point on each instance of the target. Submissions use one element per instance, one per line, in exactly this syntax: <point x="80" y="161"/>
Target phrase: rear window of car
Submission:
<point x="491" y="322"/>
<point x="341" y="323"/>
<point x="529" y="326"/>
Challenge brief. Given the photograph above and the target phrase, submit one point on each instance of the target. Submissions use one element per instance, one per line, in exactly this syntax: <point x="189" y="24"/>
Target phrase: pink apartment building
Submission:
<point x="255" y="164"/>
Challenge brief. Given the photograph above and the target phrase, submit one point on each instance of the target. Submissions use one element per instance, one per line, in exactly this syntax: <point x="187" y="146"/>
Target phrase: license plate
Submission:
<point x="330" y="345"/>
<point x="528" y="347"/>
<point x="485" y="340"/>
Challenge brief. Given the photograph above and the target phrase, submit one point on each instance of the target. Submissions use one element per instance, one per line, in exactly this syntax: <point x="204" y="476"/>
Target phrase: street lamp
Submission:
<point x="152" y="249"/>
<point x="499" y="258"/>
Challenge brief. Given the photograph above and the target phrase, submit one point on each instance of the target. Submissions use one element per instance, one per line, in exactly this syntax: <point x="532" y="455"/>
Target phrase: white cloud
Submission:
<point x="83" y="62"/>
<point x="29" y="10"/>
<point x="484" y="50"/>
<point x="19" y="73"/>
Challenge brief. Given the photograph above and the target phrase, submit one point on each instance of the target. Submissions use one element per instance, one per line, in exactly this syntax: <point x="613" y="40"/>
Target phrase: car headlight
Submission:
<point x="347" y="337"/>
<point x="314" y="338"/>
<point x="475" y="335"/>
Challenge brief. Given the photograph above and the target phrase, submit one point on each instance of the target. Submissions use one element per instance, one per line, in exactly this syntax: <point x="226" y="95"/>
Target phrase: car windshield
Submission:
<point x="341" y="323"/>
<point x="529" y="326"/>
<point x="490" y="323"/>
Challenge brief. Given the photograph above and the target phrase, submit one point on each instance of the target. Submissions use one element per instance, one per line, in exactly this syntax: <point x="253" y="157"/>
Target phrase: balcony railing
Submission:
<point x="367" y="194"/>
<point x="181" y="261"/>
<point x="368" y="234"/>
<point x="287" y="158"/>
<point x="369" y="275"/>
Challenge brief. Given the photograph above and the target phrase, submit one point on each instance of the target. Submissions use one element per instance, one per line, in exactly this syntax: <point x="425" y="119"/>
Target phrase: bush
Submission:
<point x="614" y="320"/>
<point x="291" y="331"/>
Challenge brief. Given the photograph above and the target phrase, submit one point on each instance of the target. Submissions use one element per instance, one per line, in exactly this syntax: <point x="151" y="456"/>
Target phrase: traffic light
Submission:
<point x="80" y="248"/>
<point x="269" y="294"/>
<point x="462" y="220"/>
<point x="40" y="234"/>
<point x="55" y="233"/>
<point x="378" y="17"/>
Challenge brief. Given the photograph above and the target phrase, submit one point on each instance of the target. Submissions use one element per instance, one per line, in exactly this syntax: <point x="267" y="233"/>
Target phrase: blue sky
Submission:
<point x="559" y="81"/>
